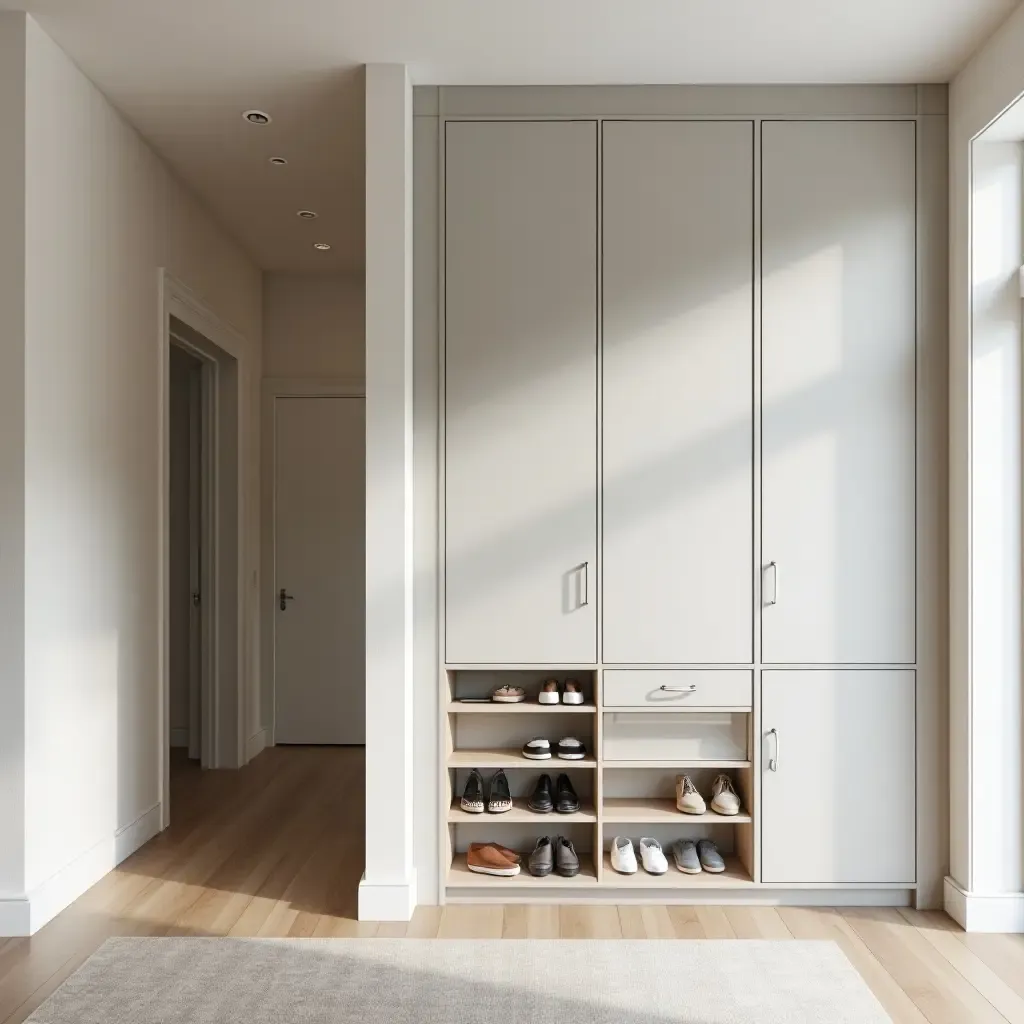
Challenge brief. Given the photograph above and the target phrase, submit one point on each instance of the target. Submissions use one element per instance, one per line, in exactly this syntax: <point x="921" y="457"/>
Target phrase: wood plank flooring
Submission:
<point x="277" y="849"/>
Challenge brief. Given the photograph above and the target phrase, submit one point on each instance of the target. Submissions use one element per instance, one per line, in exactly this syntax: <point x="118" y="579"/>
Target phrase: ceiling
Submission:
<point x="182" y="71"/>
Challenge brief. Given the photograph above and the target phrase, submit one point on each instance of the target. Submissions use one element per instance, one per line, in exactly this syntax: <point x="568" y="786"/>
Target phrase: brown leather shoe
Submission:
<point x="572" y="693"/>
<point x="492" y="859"/>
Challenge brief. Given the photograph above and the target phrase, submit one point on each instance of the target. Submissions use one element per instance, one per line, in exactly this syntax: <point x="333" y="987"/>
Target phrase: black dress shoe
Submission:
<point x="566" y="800"/>
<point x="541" y="801"/>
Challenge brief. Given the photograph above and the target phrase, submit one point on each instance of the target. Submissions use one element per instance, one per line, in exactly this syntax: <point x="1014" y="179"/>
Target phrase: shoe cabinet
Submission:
<point x="679" y="433"/>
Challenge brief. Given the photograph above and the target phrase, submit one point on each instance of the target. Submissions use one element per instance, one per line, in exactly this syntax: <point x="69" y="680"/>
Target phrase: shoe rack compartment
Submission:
<point x="480" y="683"/>
<point x="521" y="785"/>
<point x="678" y="690"/>
<point x="641" y="802"/>
<point x="675" y="736"/>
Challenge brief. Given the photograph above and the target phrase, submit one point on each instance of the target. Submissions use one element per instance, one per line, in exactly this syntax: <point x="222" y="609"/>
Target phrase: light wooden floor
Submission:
<point x="276" y="849"/>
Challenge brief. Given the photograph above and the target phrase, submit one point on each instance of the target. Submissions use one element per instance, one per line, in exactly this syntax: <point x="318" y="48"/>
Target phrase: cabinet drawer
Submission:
<point x="707" y="736"/>
<point x="690" y="688"/>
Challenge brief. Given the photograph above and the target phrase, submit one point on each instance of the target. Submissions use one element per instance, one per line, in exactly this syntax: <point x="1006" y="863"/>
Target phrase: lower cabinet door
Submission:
<point x="838" y="797"/>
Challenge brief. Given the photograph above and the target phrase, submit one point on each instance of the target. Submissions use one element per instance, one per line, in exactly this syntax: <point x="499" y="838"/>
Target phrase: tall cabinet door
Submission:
<point x="838" y="768"/>
<point x="520" y="378"/>
<point x="677" y="575"/>
<point x="838" y="375"/>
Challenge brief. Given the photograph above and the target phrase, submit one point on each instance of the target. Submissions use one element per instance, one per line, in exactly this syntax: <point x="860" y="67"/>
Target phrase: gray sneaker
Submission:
<point x="710" y="858"/>
<point x="567" y="864"/>
<point x="542" y="860"/>
<point x="684" y="853"/>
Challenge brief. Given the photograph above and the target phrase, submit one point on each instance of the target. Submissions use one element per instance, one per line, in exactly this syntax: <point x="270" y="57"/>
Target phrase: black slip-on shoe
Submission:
<point x="570" y="749"/>
<point x="540" y="801"/>
<point x="566" y="800"/>
<point x="499" y="800"/>
<point x="473" y="794"/>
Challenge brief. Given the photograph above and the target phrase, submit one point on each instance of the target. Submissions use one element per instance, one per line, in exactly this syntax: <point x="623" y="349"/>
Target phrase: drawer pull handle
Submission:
<point x="680" y="689"/>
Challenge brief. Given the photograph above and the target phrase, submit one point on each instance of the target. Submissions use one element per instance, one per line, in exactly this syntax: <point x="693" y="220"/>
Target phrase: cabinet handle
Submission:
<point x="679" y="689"/>
<point x="774" y="567"/>
<point x="585" y="599"/>
<point x="773" y="763"/>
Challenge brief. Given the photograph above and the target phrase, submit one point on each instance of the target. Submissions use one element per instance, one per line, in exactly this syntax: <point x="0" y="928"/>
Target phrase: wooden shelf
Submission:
<point x="693" y="763"/>
<point x="734" y="877"/>
<point x="525" y="708"/>
<point x="648" y="810"/>
<point x="460" y="877"/>
<point x="519" y="813"/>
<point x="513" y="759"/>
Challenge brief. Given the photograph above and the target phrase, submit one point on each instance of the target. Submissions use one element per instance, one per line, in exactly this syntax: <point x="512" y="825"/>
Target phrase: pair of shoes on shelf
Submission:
<point x="693" y="857"/>
<point x="651" y="854"/>
<point x="492" y="859"/>
<point x="499" y="799"/>
<point x="724" y="798"/>
<point x="568" y="748"/>
<point x="557" y="854"/>
<point x="508" y="695"/>
<point x="571" y="694"/>
<point x="564" y="800"/>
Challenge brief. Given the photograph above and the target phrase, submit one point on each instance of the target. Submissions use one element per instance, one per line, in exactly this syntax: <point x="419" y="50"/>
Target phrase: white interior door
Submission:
<point x="319" y="570"/>
<point x="520" y="486"/>
<point x="677" y="579"/>
<point x="838" y="766"/>
<point x="838" y="377"/>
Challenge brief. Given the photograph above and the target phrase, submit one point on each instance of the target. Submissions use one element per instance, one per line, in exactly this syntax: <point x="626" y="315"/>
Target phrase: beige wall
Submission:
<point x="103" y="214"/>
<point x="312" y="325"/>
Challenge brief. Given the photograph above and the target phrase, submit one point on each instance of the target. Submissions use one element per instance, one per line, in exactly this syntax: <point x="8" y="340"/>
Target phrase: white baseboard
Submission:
<point x="15" y="918"/>
<point x="983" y="912"/>
<point x="179" y="737"/>
<point x="387" y="902"/>
<point x="255" y="745"/>
<point x="29" y="913"/>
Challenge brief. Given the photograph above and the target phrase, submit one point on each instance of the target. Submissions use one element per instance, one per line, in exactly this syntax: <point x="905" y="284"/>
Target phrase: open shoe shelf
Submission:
<point x="520" y="813"/>
<point x="658" y="811"/>
<point x="620" y="797"/>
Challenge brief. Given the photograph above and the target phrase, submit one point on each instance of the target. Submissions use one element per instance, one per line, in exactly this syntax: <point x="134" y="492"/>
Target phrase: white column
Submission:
<point x="388" y="889"/>
<point x="14" y="906"/>
<point x="985" y="889"/>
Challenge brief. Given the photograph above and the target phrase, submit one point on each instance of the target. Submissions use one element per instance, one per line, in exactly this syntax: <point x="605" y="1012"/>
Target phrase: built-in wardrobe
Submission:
<point x="679" y="463"/>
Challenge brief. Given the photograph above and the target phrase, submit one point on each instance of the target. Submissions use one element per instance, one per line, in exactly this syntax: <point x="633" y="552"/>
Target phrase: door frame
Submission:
<point x="223" y="353"/>
<point x="274" y="388"/>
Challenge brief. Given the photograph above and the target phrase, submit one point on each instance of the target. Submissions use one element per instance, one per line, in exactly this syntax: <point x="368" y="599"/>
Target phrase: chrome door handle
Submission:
<point x="679" y="689"/>
<point x="774" y="566"/>
<point x="773" y="763"/>
<point x="583" y="572"/>
<point x="284" y="598"/>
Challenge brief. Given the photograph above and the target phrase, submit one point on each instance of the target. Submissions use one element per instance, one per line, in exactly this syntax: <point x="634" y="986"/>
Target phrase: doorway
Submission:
<point x="319" y="569"/>
<point x="187" y="656"/>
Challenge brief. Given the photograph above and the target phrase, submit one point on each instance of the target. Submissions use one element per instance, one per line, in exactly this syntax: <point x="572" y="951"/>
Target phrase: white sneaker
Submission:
<point x="688" y="800"/>
<point x="623" y="857"/>
<point x="724" y="799"/>
<point x="653" y="857"/>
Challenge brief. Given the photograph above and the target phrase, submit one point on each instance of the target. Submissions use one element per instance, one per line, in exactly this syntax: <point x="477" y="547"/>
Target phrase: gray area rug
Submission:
<point x="408" y="981"/>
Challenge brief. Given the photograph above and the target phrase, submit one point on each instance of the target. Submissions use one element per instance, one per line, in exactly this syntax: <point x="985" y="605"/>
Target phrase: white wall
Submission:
<point x="103" y="214"/>
<point x="313" y="325"/>
<point x="12" y="465"/>
<point x="984" y="666"/>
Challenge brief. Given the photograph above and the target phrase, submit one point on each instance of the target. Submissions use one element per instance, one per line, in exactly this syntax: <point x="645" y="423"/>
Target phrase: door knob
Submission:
<point x="285" y="598"/>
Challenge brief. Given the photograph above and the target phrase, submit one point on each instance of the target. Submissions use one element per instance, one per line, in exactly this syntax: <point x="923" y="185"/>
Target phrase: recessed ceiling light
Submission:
<point x="307" y="214"/>
<point x="257" y="117"/>
<point x="278" y="161"/>
<point x="322" y="246"/>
